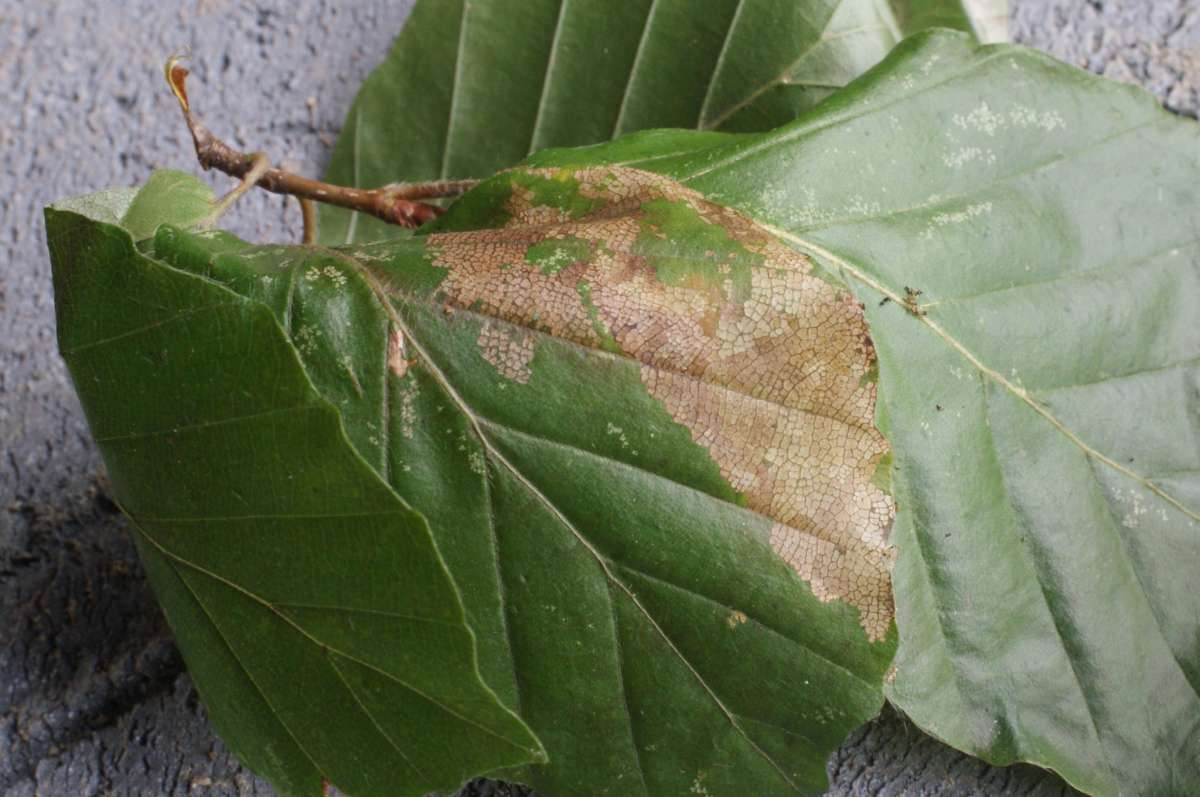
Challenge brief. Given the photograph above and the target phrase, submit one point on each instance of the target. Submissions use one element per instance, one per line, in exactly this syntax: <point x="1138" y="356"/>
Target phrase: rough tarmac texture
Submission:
<point x="93" y="695"/>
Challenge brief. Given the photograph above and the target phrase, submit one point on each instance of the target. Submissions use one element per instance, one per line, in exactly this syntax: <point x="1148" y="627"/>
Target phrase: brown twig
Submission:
<point x="398" y="203"/>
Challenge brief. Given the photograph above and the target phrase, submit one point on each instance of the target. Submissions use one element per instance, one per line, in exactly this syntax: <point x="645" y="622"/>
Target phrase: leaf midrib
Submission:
<point x="782" y="79"/>
<point x="498" y="457"/>
<point x="626" y="357"/>
<point x="551" y="59"/>
<point x="860" y="274"/>
<point x="324" y="646"/>
<point x="700" y="494"/>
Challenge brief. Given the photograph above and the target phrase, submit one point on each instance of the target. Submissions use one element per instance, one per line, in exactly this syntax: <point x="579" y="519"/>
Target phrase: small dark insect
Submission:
<point x="910" y="300"/>
<point x="938" y="407"/>
<point x="884" y="300"/>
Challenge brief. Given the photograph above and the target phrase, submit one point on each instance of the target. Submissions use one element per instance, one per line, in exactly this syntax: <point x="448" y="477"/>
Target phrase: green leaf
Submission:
<point x="659" y="626"/>
<point x="168" y="197"/>
<point x="471" y="88"/>
<point x="1043" y="409"/>
<point x="315" y="614"/>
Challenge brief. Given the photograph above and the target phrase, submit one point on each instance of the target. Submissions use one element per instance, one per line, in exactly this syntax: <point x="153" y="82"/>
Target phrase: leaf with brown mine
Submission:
<point x="768" y="366"/>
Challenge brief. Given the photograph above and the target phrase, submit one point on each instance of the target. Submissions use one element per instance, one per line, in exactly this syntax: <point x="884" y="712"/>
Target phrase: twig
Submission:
<point x="398" y="203"/>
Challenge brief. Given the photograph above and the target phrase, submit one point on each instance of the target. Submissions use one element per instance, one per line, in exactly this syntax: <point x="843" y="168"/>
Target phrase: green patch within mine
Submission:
<point x="484" y="206"/>
<point x="882" y="477"/>
<point x="554" y="254"/>
<point x="602" y="402"/>
<point x="871" y="377"/>
<point x="684" y="248"/>
<point x="607" y="341"/>
<point x="560" y="192"/>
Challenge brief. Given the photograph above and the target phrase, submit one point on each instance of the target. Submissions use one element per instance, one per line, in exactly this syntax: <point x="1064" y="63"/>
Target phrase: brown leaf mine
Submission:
<point x="768" y="366"/>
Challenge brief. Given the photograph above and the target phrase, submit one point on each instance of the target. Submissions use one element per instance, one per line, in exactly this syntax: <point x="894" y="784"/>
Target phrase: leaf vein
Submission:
<point x="1154" y="369"/>
<point x="187" y="427"/>
<point x="324" y="645"/>
<point x="1027" y="556"/>
<point x="633" y="68"/>
<point x="783" y="78"/>
<point x="232" y="651"/>
<point x="333" y="665"/>
<point x="835" y="120"/>
<point x="616" y="463"/>
<point x="130" y="333"/>
<point x="866" y="279"/>
<point x="620" y="662"/>
<point x="719" y="64"/>
<point x="763" y="625"/>
<point x="498" y="457"/>
<point x="1115" y="526"/>
<point x="454" y="88"/>
<point x="1116" y="266"/>
<point x="551" y="59"/>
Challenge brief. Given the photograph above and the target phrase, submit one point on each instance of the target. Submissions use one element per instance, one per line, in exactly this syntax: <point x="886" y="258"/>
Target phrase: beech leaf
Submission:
<point x="474" y="87"/>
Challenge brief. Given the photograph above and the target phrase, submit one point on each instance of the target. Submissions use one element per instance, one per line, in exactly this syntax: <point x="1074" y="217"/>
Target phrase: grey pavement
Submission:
<point x="94" y="699"/>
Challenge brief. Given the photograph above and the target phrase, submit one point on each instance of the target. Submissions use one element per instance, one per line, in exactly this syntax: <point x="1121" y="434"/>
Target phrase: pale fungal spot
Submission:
<point x="1024" y="116"/>
<point x="408" y="409"/>
<point x="964" y="155"/>
<point x="332" y="273"/>
<point x="781" y="203"/>
<point x="1135" y="507"/>
<point x="766" y="365"/>
<point x="335" y="275"/>
<point x="983" y="119"/>
<point x="956" y="217"/>
<point x="306" y="339"/>
<point x="613" y="429"/>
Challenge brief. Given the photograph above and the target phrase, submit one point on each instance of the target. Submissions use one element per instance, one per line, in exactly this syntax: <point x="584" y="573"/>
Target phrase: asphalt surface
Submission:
<point x="94" y="698"/>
